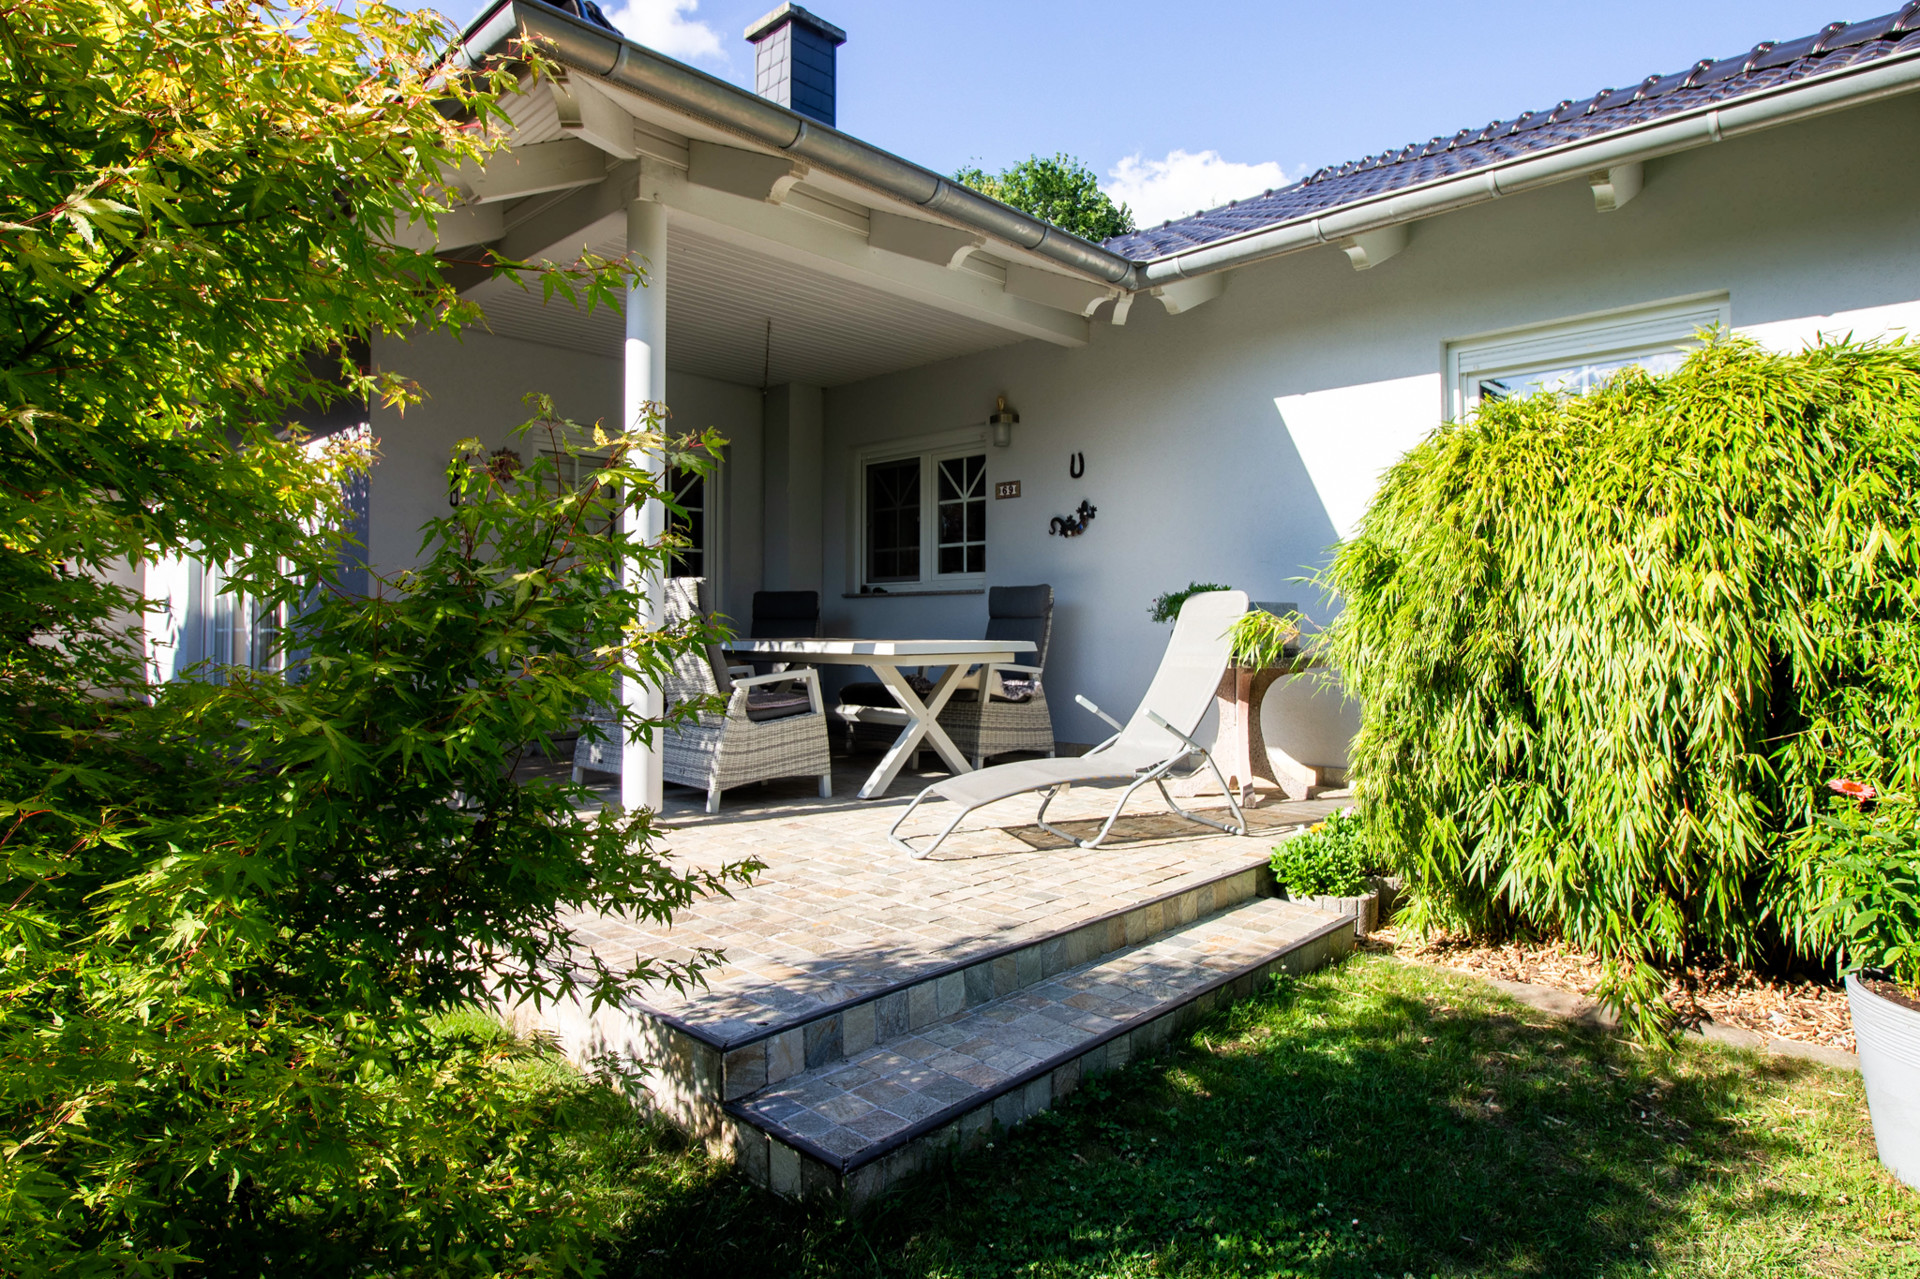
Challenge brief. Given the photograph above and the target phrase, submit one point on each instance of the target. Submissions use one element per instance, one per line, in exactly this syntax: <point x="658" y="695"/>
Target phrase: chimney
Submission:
<point x="793" y="60"/>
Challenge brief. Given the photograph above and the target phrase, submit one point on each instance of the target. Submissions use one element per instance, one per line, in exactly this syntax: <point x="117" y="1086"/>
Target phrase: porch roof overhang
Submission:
<point x="795" y="252"/>
<point x="864" y="262"/>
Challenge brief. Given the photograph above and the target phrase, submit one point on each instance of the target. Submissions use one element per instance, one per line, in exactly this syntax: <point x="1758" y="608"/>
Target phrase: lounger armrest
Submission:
<point x="1191" y="744"/>
<point x="808" y="675"/>
<point x="1117" y="725"/>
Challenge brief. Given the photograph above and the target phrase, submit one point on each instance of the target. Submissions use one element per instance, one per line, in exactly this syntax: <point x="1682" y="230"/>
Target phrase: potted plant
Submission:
<point x="1328" y="866"/>
<point x="1167" y="607"/>
<point x="1871" y="880"/>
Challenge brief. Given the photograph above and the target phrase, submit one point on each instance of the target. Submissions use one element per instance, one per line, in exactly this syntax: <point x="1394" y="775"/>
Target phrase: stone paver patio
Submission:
<point x="872" y="1010"/>
<point x="839" y="913"/>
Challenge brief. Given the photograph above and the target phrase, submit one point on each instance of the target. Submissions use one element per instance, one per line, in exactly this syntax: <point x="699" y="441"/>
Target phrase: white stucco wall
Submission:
<point x="474" y="388"/>
<point x="1235" y="442"/>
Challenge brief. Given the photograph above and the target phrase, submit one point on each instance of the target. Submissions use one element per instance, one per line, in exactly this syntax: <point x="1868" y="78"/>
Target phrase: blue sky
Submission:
<point x="1180" y="107"/>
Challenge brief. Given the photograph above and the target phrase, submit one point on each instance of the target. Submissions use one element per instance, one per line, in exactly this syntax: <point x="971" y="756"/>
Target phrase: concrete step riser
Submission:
<point x="690" y="1079"/>
<point x="792" y="1172"/>
<point x="856" y="1027"/>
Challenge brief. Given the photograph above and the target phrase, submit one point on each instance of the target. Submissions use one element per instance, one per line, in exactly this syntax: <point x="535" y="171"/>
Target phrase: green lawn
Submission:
<point x="1377" y="1119"/>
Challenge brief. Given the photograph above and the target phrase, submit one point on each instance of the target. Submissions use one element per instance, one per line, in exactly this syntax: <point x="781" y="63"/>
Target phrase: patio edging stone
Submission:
<point x="1340" y="928"/>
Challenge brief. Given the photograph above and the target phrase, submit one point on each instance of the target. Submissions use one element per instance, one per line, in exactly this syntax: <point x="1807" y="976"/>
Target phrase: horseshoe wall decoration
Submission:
<point x="1076" y="464"/>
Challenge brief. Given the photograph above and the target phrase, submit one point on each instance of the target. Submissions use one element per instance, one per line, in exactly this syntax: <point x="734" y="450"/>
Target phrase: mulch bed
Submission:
<point x="1812" y="1012"/>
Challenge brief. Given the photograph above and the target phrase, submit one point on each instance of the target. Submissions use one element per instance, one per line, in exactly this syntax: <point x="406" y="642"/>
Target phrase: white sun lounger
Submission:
<point x="1155" y="740"/>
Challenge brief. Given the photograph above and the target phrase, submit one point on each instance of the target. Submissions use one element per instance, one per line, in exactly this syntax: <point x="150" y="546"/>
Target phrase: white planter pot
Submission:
<point x="1888" y="1038"/>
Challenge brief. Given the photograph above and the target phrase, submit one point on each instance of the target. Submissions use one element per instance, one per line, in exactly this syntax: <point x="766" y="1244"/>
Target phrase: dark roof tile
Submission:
<point x="1767" y="65"/>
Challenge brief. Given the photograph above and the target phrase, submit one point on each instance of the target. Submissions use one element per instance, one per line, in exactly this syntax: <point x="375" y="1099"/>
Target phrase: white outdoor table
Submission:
<point x="886" y="658"/>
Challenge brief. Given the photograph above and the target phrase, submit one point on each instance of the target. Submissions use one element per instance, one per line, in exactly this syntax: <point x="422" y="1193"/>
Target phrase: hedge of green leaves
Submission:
<point x="1612" y="648"/>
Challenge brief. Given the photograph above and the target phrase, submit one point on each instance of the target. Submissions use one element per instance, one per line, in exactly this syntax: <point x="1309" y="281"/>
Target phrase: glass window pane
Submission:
<point x="1572" y="379"/>
<point x="893" y="521"/>
<point x="962" y="508"/>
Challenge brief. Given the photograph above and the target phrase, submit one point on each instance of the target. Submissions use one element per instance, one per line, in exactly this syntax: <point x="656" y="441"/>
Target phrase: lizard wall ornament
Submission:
<point x="1076" y="524"/>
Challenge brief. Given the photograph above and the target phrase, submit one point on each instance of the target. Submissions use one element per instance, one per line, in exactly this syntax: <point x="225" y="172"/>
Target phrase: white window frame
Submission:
<point x="713" y="565"/>
<point x="1604" y="336"/>
<point x="931" y="450"/>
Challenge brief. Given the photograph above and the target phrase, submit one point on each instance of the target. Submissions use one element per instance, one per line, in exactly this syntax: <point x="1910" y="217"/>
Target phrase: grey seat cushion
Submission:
<point x="1012" y="688"/>
<point x="776" y="703"/>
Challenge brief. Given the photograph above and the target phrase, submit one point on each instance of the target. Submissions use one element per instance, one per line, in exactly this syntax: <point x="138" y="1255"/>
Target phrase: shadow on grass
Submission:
<point x="1377" y="1119"/>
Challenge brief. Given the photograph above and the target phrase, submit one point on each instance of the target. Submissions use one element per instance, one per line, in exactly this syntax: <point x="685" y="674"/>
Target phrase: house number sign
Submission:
<point x="1007" y="488"/>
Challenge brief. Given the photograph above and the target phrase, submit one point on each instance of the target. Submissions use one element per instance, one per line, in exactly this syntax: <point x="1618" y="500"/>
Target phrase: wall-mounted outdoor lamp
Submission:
<point x="1003" y="421"/>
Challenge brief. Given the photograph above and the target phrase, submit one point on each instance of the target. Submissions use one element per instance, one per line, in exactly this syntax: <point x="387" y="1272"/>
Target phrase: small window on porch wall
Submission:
<point x="924" y="520"/>
<point x="893" y="521"/>
<point x="689" y="490"/>
<point x="963" y="514"/>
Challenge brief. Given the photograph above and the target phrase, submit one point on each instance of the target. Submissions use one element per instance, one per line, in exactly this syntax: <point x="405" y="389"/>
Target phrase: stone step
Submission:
<point x="812" y="1037"/>
<point x="862" y="1122"/>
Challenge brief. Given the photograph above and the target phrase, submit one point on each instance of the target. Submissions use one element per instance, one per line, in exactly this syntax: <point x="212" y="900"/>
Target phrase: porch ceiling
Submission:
<point x="720" y="298"/>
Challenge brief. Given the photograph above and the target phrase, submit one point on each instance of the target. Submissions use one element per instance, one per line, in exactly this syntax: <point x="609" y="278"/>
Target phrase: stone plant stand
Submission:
<point x="1240" y="748"/>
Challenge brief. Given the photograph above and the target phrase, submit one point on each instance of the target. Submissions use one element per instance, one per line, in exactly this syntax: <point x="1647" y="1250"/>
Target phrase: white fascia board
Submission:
<point x="842" y="253"/>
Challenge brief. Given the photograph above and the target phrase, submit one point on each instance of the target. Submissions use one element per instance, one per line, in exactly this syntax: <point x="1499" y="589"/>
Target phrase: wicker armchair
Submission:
<point x="774" y="725"/>
<point x="1012" y="714"/>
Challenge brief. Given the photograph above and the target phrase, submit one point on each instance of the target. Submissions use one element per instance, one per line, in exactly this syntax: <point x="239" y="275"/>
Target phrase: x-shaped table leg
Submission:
<point x="922" y="723"/>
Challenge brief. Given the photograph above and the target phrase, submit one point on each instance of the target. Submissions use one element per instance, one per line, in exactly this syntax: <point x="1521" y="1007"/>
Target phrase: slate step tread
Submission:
<point x="847" y="1110"/>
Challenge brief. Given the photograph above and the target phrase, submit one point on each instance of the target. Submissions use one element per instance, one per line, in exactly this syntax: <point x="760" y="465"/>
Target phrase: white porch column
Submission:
<point x="645" y="381"/>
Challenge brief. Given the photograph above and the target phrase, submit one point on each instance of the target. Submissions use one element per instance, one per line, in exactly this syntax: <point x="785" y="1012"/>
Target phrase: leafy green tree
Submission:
<point x="1058" y="189"/>
<point x="241" y="914"/>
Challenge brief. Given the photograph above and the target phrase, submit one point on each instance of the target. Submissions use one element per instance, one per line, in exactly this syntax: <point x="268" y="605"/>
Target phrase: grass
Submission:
<point x="1378" y="1119"/>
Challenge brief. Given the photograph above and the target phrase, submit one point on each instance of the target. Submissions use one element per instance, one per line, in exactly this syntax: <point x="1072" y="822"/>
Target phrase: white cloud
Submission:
<point x="668" y="26"/>
<point x="1185" y="183"/>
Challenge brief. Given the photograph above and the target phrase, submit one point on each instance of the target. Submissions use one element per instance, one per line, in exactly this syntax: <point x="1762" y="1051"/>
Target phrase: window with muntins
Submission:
<point x="688" y="490"/>
<point x="1574" y="356"/>
<point x="893" y="521"/>
<point x="962" y="514"/>
<point x="924" y="520"/>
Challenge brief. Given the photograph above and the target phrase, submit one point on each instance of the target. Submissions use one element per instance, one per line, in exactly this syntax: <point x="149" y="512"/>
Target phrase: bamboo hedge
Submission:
<point x="1612" y="648"/>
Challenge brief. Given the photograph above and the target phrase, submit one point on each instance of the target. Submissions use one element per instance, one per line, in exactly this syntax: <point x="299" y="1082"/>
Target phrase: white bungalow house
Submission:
<point x="1224" y="389"/>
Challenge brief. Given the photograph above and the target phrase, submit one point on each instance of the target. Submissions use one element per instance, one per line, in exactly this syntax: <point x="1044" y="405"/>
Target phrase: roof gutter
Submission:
<point x="1814" y="96"/>
<point x="603" y="53"/>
